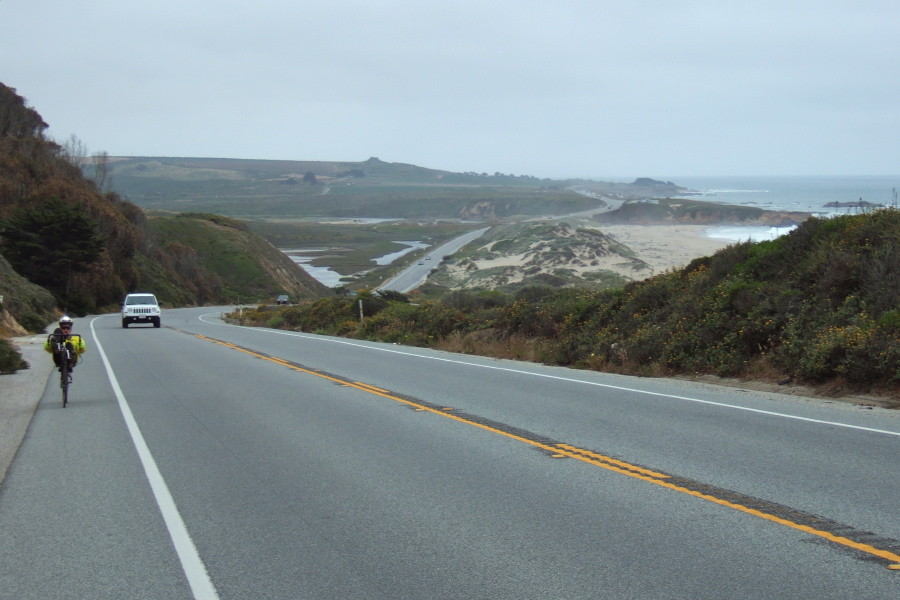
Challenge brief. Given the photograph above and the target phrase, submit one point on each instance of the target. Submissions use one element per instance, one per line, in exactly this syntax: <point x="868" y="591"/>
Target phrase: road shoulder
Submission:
<point x="19" y="396"/>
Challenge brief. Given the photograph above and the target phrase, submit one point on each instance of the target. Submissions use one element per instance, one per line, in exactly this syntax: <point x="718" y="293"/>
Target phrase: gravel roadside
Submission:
<point x="20" y="394"/>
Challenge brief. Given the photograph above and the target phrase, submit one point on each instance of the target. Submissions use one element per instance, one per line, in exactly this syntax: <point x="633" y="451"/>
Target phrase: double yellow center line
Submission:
<point x="883" y="549"/>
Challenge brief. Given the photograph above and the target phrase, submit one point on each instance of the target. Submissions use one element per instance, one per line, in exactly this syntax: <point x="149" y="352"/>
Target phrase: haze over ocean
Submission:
<point x="795" y="193"/>
<point x="806" y="194"/>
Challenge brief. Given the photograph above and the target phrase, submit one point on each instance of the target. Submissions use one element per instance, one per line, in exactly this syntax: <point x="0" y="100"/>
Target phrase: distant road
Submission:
<point x="413" y="276"/>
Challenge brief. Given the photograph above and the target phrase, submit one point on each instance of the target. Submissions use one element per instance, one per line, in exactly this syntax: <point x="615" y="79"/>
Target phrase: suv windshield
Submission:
<point x="148" y="299"/>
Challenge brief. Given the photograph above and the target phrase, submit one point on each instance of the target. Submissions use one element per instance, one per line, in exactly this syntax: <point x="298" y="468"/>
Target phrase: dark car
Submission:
<point x="282" y="299"/>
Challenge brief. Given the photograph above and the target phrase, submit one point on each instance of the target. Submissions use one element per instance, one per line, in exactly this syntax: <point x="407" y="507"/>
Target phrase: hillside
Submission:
<point x="25" y="306"/>
<point x="87" y="247"/>
<point x="251" y="189"/>
<point x="680" y="210"/>
<point x="238" y="264"/>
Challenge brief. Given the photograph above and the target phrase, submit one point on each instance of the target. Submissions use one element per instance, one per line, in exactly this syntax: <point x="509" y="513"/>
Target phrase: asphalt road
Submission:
<point x="208" y="460"/>
<point x="414" y="275"/>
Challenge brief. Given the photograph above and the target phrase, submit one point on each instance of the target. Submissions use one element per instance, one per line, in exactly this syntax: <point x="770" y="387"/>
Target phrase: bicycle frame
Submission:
<point x="61" y="347"/>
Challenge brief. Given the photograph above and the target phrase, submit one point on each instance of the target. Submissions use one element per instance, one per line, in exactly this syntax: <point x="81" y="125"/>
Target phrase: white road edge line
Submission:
<point x="194" y="569"/>
<point x="546" y="376"/>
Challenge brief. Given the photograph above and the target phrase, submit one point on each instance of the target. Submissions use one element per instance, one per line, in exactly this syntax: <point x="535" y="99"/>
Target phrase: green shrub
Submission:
<point x="890" y="321"/>
<point x="33" y="322"/>
<point x="10" y="358"/>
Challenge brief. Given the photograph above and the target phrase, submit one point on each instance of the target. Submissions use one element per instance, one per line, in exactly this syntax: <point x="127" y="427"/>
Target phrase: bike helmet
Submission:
<point x="65" y="320"/>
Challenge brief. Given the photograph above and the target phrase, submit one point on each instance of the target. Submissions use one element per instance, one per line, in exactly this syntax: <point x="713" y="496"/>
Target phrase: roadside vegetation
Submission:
<point x="817" y="306"/>
<point x="10" y="358"/>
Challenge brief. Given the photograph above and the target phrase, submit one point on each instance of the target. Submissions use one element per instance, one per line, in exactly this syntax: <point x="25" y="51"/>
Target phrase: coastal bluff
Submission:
<point x="662" y="211"/>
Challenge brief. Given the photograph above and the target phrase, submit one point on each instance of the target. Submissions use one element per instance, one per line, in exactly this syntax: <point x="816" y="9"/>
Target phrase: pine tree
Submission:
<point x="48" y="243"/>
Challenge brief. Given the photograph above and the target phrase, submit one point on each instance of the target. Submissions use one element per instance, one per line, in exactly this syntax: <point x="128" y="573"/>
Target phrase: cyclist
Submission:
<point x="74" y="344"/>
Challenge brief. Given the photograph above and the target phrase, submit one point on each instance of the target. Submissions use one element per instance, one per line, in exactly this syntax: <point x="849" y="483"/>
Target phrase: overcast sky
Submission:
<point x="559" y="88"/>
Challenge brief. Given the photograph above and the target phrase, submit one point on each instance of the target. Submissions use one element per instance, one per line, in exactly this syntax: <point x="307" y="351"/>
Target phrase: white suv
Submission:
<point x="140" y="308"/>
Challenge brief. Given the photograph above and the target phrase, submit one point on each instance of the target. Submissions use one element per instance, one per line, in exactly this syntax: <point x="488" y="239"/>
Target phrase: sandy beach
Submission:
<point x="665" y="247"/>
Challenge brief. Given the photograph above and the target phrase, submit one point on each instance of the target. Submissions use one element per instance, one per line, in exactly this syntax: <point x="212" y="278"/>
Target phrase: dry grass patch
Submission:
<point x="488" y="343"/>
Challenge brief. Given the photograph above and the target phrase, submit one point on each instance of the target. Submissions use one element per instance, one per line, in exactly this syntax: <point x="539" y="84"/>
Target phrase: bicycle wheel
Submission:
<point x="64" y="379"/>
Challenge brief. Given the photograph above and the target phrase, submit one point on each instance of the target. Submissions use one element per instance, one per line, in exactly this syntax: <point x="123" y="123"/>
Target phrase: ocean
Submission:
<point x="804" y="194"/>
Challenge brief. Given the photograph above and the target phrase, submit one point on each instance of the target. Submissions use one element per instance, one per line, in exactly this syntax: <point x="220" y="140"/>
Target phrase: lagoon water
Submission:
<point x="389" y="258"/>
<point x="323" y="275"/>
<point x="326" y="276"/>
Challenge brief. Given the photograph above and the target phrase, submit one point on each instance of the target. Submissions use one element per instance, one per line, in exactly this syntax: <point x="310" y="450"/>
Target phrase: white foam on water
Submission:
<point x="737" y="233"/>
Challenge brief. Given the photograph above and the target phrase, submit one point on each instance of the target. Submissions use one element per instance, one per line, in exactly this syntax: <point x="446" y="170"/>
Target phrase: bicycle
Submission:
<point x="63" y="348"/>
